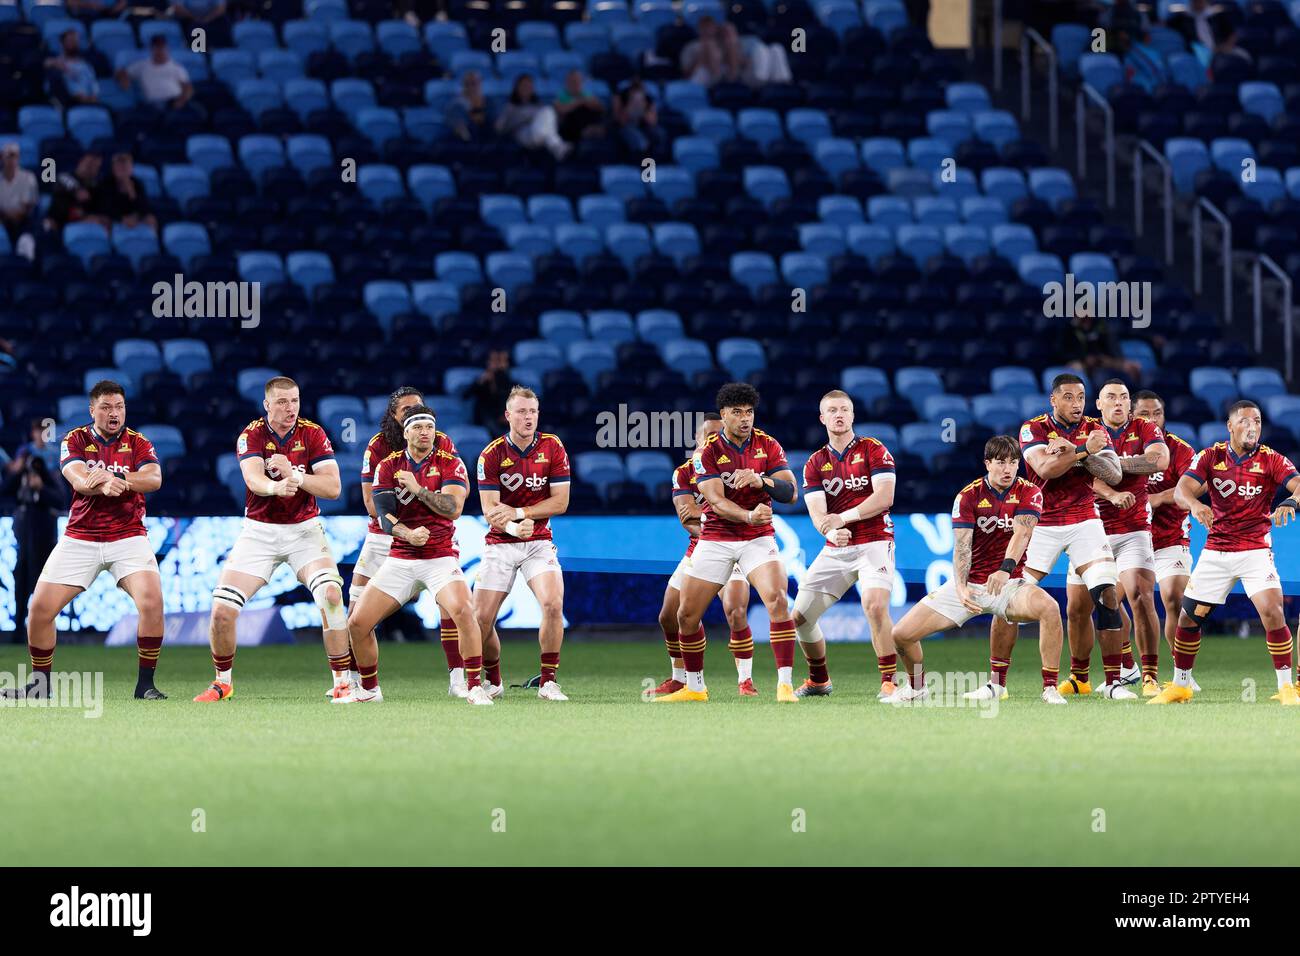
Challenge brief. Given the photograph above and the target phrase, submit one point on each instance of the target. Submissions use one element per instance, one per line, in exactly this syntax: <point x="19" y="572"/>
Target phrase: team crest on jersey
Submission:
<point x="242" y="446"/>
<point x="299" y="446"/>
<point x="63" y="449"/>
<point x="482" y="469"/>
<point x="541" y="458"/>
<point x="1026" y="432"/>
<point x="828" y="467"/>
<point x="1256" y="469"/>
<point x="760" y="454"/>
<point x="1012" y="500"/>
<point x="698" y="464"/>
<point x="857" y="459"/>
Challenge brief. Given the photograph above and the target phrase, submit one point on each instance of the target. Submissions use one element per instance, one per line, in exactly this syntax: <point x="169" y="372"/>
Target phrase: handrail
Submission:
<point x="1168" y="194"/>
<point x="1288" y="306"/>
<point x="1197" y="253"/>
<point x="1080" y="125"/>
<point x="997" y="45"/>
<point x="1029" y="36"/>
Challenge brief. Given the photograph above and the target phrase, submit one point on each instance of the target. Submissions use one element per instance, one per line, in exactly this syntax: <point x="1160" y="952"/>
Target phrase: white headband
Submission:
<point x="420" y="419"/>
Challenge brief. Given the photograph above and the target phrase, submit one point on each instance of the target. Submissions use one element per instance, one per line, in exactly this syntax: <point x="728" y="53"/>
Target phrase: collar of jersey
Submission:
<point x="722" y="435"/>
<point x="523" y="452"/>
<point x="105" y="439"/>
<point x="1233" y="455"/>
<point x="1116" y="432"/>
<point x="1062" y="426"/>
<point x="993" y="491"/>
<point x="418" y="464"/>
<point x="276" y="438"/>
<point x="840" y="455"/>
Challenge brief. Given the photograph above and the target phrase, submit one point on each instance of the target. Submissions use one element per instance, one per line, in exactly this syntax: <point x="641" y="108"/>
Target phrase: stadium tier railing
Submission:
<point x="1198" y="252"/>
<point x="1167" y="194"/>
<point x="1029" y="41"/>
<point x="1085" y="94"/>
<point x="1260" y="263"/>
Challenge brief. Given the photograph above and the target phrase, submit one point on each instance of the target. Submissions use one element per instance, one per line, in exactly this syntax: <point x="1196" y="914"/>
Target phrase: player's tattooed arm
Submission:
<point x="963" y="539"/>
<point x="1105" y="465"/>
<point x="446" y="503"/>
<point x="1022" y="528"/>
<point x="1155" y="458"/>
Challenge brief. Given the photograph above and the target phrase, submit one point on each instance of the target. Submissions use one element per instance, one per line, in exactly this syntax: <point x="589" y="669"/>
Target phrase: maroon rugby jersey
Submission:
<point x="990" y="515"/>
<point x="439" y="469"/>
<point x="684" y="484"/>
<point x="1170" y="523"/>
<point x="1241" y="494"/>
<point x="377" y="450"/>
<point x="846" y="478"/>
<point x="522" y="476"/>
<point x="721" y="459"/>
<point x="1131" y="440"/>
<point x="306" y="445"/>
<point x="1068" y="498"/>
<point x="99" y="517"/>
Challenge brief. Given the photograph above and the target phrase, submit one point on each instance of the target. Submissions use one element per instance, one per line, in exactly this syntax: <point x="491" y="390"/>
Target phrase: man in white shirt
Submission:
<point x="163" y="82"/>
<point x="18" y="198"/>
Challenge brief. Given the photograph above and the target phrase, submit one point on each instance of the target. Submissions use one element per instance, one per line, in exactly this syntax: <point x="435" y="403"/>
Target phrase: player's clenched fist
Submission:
<point x="407" y="481"/>
<point x="418" y="537"/>
<point x="525" y="529"/>
<point x="279" y="464"/>
<point x="840" y="537"/>
<point x="1123" y="500"/>
<point x="286" y="488"/>
<point x="831" y="522"/>
<point x="96" y="477"/>
<point x="1096" y="441"/>
<point x="746" y="478"/>
<point x="115" y="486"/>
<point x="761" y="514"/>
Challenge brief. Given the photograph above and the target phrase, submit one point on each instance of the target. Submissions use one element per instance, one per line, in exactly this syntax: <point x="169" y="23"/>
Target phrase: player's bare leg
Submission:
<point x="46" y="602"/>
<point x="769" y="580"/>
<point x="233" y="590"/>
<point x="668" y="624"/>
<point x="145" y="589"/>
<point x="322" y="579"/>
<point x="458" y="604"/>
<point x="373" y="606"/>
<point x="1100" y="578"/>
<point x="548" y="587"/>
<point x="1082" y="637"/>
<point x="1139" y="585"/>
<point x="918" y="623"/>
<point x="696" y="595"/>
<point x="735" y="604"/>
<point x="487" y="605"/>
<point x="875" y="605"/>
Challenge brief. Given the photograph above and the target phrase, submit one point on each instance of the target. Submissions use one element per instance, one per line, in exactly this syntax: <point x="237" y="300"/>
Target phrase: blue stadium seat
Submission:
<point x="952" y="410"/>
<point x="1260" y="383"/>
<point x="1011" y="240"/>
<point x="935" y="210"/>
<point x="379" y="182"/>
<point x="883" y="153"/>
<point x="687" y="356"/>
<point x="892" y="211"/>
<point x="763" y="126"/>
<point x="1004" y="183"/>
<point x="309" y="269"/>
<point x="649" y="468"/>
<point x="549" y="210"/>
<point x="263" y="267"/>
<point x="1186" y="157"/>
<point x="168" y="442"/>
<point x="1092" y="267"/>
<point x="842" y="211"/>
<point x="306" y="37"/>
<point x="872" y="241"/>
<point x="919" y="243"/>
<point x="429" y="183"/>
<point x="1267" y="188"/>
<point x="508" y="270"/>
<point x="529" y="240"/>
<point x="259" y="153"/>
<point x="335" y="412"/>
<point x="926" y="440"/>
<point x="1101" y="71"/>
<point x="185" y="240"/>
<point x="134" y="242"/>
<point x="352" y="95"/>
<point x="579" y="240"/>
<point x="85" y="240"/>
<point x="836" y="155"/>
<point x="586" y="39"/>
<point x="672" y="184"/>
<point x="600" y="211"/>
<point x="538" y="354"/>
<point x="562" y="327"/>
<point x="351" y="37"/>
<point x="385" y="298"/>
<point x="677" y="240"/>
<point x="89" y="123"/>
<point x="997" y="127"/>
<point x="250" y="383"/>
<point x="916" y="383"/>
<point x="308" y="152"/>
<point x="209" y="152"/>
<point x="254" y="35"/>
<point x="1000" y="414"/>
<point x="611" y="325"/>
<point x="629" y="241"/>
<point x="967" y="97"/>
<point x="435" y="298"/>
<point x="966" y="242"/>
<point x="1070" y="41"/>
<point x="1039" y="268"/>
<point x="882" y="432"/>
<point x="804" y="270"/>
<point x="1214" y="386"/>
<point x="822" y="240"/>
<point x="257" y="96"/>
<point x="696" y="153"/>
<point x="714" y="124"/>
<point x="622" y="182"/>
<point x="599" y="468"/>
<point x="1228" y="153"/>
<point x="539" y="36"/>
<point x="1013" y="380"/>
<point x="864" y="383"/>
<point x="233" y="66"/>
<point x="928" y="153"/>
<point x="110" y="36"/>
<point x="754" y="270"/>
<point x="137" y="357"/>
<point x="460" y="377"/>
<point x="501" y="210"/>
<point x="1053" y="186"/>
<point x="591" y="359"/>
<point x="444" y="38"/>
<point x="397" y="38"/>
<point x="1263" y="99"/>
<point x="741" y="357"/>
<point x="658" y="326"/>
<point x="458" y="268"/>
<point x="949" y="125"/>
<point x="186" y="357"/>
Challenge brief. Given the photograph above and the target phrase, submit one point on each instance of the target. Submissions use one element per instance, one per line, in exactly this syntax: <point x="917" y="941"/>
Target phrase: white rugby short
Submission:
<point x="716" y="561"/>
<point x="946" y="602"/>
<point x="262" y="547"/>
<point x="1132" y="551"/>
<point x="1084" y="542"/>
<point x="500" y="563"/>
<point x="1173" y="561"/>
<point x="373" y="553"/>
<point x="77" y="562"/>
<point x="1217" y="572"/>
<point x="835" y="570"/>
<point x="402" y="579"/>
<point x="684" y="568"/>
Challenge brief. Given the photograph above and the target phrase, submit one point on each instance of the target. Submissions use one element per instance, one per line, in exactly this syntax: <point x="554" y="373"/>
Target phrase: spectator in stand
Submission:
<point x="580" y="112"/>
<point x="1195" y="22"/>
<point x="491" y="390"/>
<point x="90" y="10"/>
<point x="470" y="114"/>
<point x="1227" y="51"/>
<point x="121" y="197"/>
<point x="1087" y="344"/>
<point x="32" y="477"/>
<point x="74" y="196"/>
<point x="72" y="79"/>
<point x="637" y="119"/>
<point x="530" y="122"/>
<point x="211" y="16"/>
<point x="714" y="56"/>
<point x="1125" y="26"/>
<point x="18" y="199"/>
<point x="163" y="82"/>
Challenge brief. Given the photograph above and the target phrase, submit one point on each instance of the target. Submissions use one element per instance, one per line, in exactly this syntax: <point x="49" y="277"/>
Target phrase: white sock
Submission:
<point x="695" y="680"/>
<point x="679" y="673"/>
<point x="1284" y="678"/>
<point x="1183" y="678"/>
<point x="223" y="677"/>
<point x="340" y="677"/>
<point x="785" y="675"/>
<point x="458" y="675"/>
<point x="744" y="669"/>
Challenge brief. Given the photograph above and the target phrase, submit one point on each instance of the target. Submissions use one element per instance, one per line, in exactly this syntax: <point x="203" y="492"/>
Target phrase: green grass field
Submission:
<point x="283" y="777"/>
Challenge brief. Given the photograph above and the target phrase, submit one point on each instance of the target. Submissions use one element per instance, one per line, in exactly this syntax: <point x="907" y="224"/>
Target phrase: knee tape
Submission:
<point x="229" y="596"/>
<point x="811" y="605"/>
<point x="336" y="616"/>
<point x="1190" y="609"/>
<point x="1108" y="618"/>
<point x="1100" y="574"/>
<point x="354" y="593"/>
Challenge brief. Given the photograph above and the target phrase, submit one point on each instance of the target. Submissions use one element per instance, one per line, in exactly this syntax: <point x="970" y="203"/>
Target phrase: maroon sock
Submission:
<point x="674" y="646"/>
<point x="1187" y="642"/>
<point x="340" y="664"/>
<point x="1151" y="666"/>
<point x="450" y="635"/>
<point x="493" y="671"/>
<point x="41" y="658"/>
<point x="1279" y="647"/>
<point x="550" y="663"/>
<point x="1126" y="655"/>
<point x="781" y="635"/>
<point x="693" y="650"/>
<point x="1000" y="666"/>
<point x="147" y="650"/>
<point x="888" y="665"/>
<point x="369" y="676"/>
<point x="741" y="644"/>
<point x="1079" y="667"/>
<point x="1049" y="676"/>
<point x="1110" y="665"/>
<point x="817" y="671"/>
<point x="473" y="671"/>
<point x="223" y="663"/>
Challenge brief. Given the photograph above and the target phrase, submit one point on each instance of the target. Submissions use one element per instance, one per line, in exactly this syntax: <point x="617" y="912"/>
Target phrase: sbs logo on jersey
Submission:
<point x="1226" y="487"/>
<point x="833" y="486"/>
<point x="989" y="524"/>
